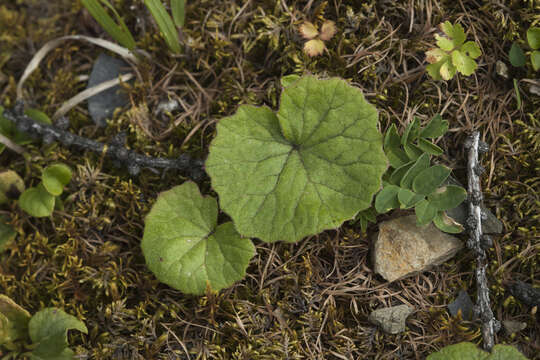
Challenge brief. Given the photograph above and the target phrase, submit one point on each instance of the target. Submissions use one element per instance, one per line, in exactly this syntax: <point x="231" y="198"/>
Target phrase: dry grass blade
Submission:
<point x="88" y="93"/>
<point x="45" y="49"/>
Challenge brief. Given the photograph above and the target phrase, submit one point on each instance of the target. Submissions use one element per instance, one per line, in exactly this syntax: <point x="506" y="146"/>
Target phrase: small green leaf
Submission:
<point x="178" y="12"/>
<point x="448" y="70"/>
<point x="38" y="115"/>
<point x="445" y="223"/>
<point x="413" y="152"/>
<point x="425" y="213"/>
<point x="428" y="180"/>
<point x="455" y="32"/>
<point x="516" y="55"/>
<point x="55" y="177"/>
<point x="471" y="49"/>
<point x="518" y="95"/>
<point x="37" y="201"/>
<point x="48" y="329"/>
<point x="435" y="128"/>
<point x="392" y="139"/>
<point x="444" y="43"/>
<point x="397" y="157"/>
<point x="165" y="24"/>
<point x="447" y="197"/>
<point x="434" y="70"/>
<point x="463" y="63"/>
<point x="387" y="199"/>
<point x="505" y="352"/>
<point x="13" y="322"/>
<point x="288" y="80"/>
<point x="11" y="186"/>
<point x="312" y="166"/>
<point x="435" y="55"/>
<point x="7" y="235"/>
<point x="397" y="174"/>
<point x="118" y="32"/>
<point x="408" y="199"/>
<point x="428" y="147"/>
<point x="420" y="165"/>
<point x="469" y="351"/>
<point x="186" y="249"/>
<point x="533" y="37"/>
<point x="461" y="351"/>
<point x="535" y="60"/>
<point x="411" y="131"/>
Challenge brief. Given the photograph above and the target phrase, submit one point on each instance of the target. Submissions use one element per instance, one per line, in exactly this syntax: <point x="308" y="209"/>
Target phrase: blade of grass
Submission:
<point x="165" y="24"/>
<point x="120" y="32"/>
<point x="518" y="96"/>
<point x="178" y="12"/>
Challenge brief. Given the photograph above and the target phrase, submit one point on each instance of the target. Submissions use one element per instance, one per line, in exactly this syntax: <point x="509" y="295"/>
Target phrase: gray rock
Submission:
<point x="101" y="106"/>
<point x="401" y="248"/>
<point x="501" y="69"/>
<point x="392" y="319"/>
<point x="513" y="326"/>
<point x="464" y="304"/>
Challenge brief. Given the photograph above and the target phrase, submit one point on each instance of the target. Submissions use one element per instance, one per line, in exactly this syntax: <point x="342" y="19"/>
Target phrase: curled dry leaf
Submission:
<point x="314" y="47"/>
<point x="328" y="30"/>
<point x="308" y="30"/>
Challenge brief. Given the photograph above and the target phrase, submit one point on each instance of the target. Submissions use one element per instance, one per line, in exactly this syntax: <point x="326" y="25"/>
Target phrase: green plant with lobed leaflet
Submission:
<point x="282" y="176"/>
<point x="412" y="183"/>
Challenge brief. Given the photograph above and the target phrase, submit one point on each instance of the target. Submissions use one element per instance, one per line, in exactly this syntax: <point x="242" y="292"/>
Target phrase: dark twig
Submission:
<point x="477" y="242"/>
<point x="116" y="150"/>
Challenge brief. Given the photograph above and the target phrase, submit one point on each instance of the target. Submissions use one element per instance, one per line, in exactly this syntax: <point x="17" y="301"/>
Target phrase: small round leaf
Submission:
<point x="37" y="201"/>
<point x="447" y="197"/>
<point x="48" y="329"/>
<point x="186" y="249"/>
<point x="309" y="168"/>
<point x="428" y="180"/>
<point x="533" y="37"/>
<point x="55" y="177"/>
<point x="11" y="185"/>
<point x="447" y="224"/>
<point x="535" y="60"/>
<point x="387" y="199"/>
<point x="516" y="55"/>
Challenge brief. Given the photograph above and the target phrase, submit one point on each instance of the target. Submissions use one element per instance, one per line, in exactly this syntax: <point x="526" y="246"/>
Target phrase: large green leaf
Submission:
<point x="37" y="201"/>
<point x="48" y="329"/>
<point x="469" y="351"/>
<point x="13" y="321"/>
<point x="309" y="168"/>
<point x="428" y="180"/>
<point x="186" y="249"/>
<point x="55" y="177"/>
